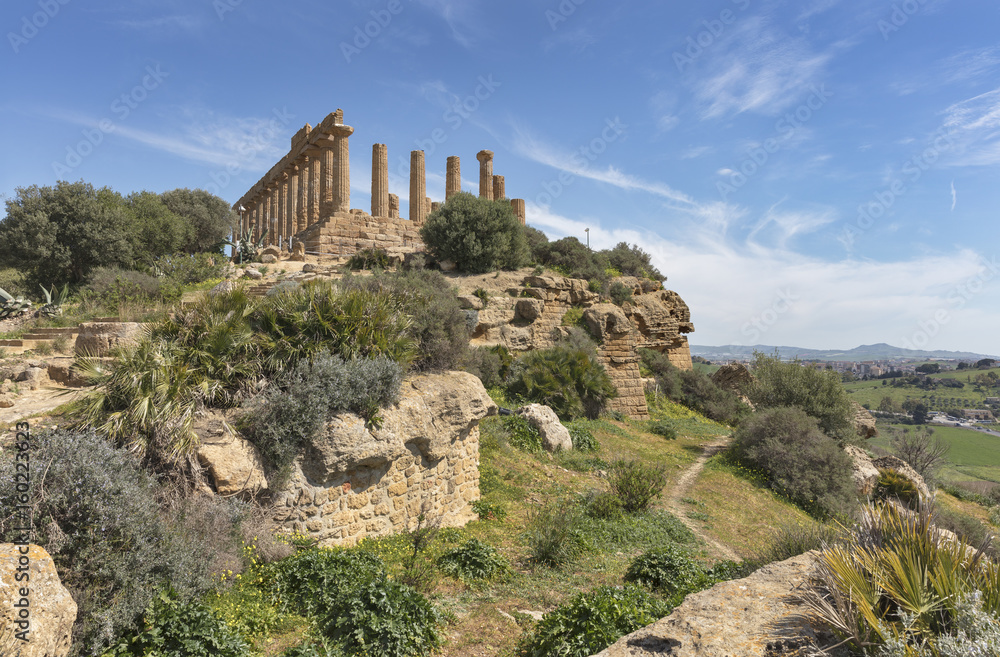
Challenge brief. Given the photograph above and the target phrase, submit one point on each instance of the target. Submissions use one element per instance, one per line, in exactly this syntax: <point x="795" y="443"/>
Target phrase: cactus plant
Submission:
<point x="53" y="306"/>
<point x="246" y="246"/>
<point x="12" y="307"/>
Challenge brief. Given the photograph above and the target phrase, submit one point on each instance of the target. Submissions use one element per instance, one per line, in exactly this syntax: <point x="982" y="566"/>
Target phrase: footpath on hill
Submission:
<point x="683" y="487"/>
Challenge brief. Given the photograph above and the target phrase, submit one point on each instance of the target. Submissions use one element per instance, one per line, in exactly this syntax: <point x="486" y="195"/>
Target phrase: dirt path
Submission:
<point x="36" y="401"/>
<point x="683" y="487"/>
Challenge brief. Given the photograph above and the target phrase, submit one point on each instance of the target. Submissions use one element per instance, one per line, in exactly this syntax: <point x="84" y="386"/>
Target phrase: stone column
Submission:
<point x="291" y="210"/>
<point x="428" y="206"/>
<point x="280" y="234"/>
<point x="327" y="158"/>
<point x="393" y="206"/>
<point x="485" y="174"/>
<point x="272" y="217"/>
<point x="314" y="188"/>
<point x="302" y="200"/>
<point x="518" y="205"/>
<point x="342" y="168"/>
<point x="418" y="187"/>
<point x="499" y="191"/>
<point x="453" y="177"/>
<point x="258" y="217"/>
<point x="380" y="180"/>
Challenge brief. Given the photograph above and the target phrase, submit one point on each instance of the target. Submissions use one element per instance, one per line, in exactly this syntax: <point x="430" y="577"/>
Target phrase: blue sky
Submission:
<point x="822" y="174"/>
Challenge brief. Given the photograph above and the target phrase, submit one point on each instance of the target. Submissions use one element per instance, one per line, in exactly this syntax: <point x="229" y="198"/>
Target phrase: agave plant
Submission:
<point x="12" y="307"/>
<point x="247" y="246"/>
<point x="53" y="301"/>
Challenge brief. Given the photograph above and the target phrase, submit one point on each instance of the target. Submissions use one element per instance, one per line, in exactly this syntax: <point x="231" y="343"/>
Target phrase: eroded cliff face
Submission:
<point x="531" y="317"/>
<point x="356" y="481"/>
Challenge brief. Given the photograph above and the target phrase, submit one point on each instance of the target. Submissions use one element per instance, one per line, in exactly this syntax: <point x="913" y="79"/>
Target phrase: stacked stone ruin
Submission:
<point x="306" y="197"/>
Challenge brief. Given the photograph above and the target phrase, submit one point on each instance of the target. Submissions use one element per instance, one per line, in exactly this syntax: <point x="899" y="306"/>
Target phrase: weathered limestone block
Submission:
<point x="471" y="302"/>
<point x="298" y="252"/>
<point x="453" y="177"/>
<point x="99" y="338"/>
<point x="34" y="377"/>
<point x="554" y="435"/>
<point x="252" y="273"/>
<point x="738" y="618"/>
<point x="270" y="250"/>
<point x="516" y="338"/>
<point x="864" y="421"/>
<point x="485" y="174"/>
<point x="50" y="605"/>
<point x="346" y="444"/>
<point x="268" y="259"/>
<point x="863" y="471"/>
<point x="606" y="320"/>
<point x="233" y="464"/>
<point x="530" y="309"/>
<point x="418" y="187"/>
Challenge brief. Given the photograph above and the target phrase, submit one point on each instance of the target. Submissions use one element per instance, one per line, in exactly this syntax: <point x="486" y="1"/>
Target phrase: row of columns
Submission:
<point x="316" y="183"/>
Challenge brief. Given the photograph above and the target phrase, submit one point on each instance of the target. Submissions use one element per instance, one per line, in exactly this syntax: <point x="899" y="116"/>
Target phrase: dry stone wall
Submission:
<point x="356" y="481"/>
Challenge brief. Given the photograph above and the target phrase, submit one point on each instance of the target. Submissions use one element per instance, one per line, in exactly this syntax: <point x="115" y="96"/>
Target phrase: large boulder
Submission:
<point x="48" y="605"/>
<point x="530" y="309"/>
<point x="900" y="466"/>
<point x="863" y="471"/>
<point x="606" y="320"/>
<point x="751" y="617"/>
<point x="233" y="464"/>
<point x="554" y="435"/>
<point x="864" y="421"/>
<point x="99" y="338"/>
<point x="736" y="378"/>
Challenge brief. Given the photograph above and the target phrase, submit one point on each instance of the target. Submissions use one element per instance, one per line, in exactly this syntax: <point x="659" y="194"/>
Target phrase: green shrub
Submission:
<point x="819" y="394"/>
<point x="478" y="235"/>
<point x="669" y="569"/>
<point x="313" y="580"/>
<point x="573" y="317"/>
<point x="96" y="512"/>
<point x="491" y="364"/>
<point x="636" y="484"/>
<point x="112" y="286"/>
<point x="799" y="460"/>
<point x="489" y="510"/>
<point x="591" y="622"/>
<point x="520" y="434"/>
<point x="583" y="438"/>
<point x="619" y="294"/>
<point x="473" y="560"/>
<point x="633" y="261"/>
<point x="370" y="258"/>
<point x="554" y="535"/>
<point x="173" y="628"/>
<point x="694" y="389"/>
<point x="892" y="485"/>
<point x="663" y="428"/>
<point x="185" y="269"/>
<point x="290" y="413"/>
<point x="897" y="586"/>
<point x="569" y="380"/>
<point x="604" y="505"/>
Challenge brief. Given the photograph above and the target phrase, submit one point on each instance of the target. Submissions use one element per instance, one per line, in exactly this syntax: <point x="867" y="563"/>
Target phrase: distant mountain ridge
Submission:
<point x="880" y="351"/>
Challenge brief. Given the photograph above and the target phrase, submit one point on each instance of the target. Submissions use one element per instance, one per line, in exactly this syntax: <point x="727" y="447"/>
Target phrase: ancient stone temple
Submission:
<point x="306" y="196"/>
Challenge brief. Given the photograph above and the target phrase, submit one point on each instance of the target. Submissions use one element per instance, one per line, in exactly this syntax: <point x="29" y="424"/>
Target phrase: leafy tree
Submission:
<point x="633" y="261"/>
<point x="574" y="259"/>
<point x="57" y="235"/>
<point x="478" y="235"/>
<point x="919" y="414"/>
<point x="210" y="217"/>
<point x="819" y="394"/>
<point x="929" y="368"/>
<point x="985" y="363"/>
<point x="158" y="231"/>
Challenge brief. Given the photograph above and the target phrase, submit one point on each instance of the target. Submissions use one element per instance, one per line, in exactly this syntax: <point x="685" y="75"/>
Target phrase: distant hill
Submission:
<point x="879" y="351"/>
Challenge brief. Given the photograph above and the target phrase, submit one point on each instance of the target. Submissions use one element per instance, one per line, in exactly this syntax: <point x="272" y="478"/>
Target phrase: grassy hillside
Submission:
<point x="942" y="398"/>
<point x="972" y="455"/>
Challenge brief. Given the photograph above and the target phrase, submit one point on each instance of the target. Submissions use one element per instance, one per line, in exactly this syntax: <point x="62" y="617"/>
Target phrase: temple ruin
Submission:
<point x="306" y="197"/>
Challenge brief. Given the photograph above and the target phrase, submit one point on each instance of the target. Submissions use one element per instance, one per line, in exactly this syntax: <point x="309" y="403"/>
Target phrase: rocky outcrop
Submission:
<point x="39" y="604"/>
<point x="864" y="421"/>
<point x="736" y="378"/>
<point x="863" y="471"/>
<point x="233" y="464"/>
<point x="900" y="466"/>
<point x="357" y="480"/>
<point x="100" y="338"/>
<point x="751" y="617"/>
<point x="617" y="344"/>
<point x="554" y="435"/>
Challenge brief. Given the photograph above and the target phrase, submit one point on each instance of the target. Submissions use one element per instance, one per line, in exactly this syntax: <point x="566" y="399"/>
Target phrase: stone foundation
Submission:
<point x="344" y="234"/>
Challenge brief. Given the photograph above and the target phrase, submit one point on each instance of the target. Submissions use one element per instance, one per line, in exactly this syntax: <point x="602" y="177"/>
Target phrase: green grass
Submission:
<point x="872" y="392"/>
<point x="973" y="455"/>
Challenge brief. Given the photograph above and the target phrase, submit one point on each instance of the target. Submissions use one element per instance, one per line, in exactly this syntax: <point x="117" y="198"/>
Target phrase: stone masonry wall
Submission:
<point x="344" y="234"/>
<point x="356" y="481"/>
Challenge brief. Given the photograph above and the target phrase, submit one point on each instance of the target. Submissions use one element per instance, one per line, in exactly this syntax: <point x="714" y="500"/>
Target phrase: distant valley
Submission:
<point x="880" y="351"/>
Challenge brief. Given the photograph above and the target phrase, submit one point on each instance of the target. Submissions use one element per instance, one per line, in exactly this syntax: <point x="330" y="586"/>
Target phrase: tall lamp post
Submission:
<point x="587" y="230"/>
<point x="240" y="235"/>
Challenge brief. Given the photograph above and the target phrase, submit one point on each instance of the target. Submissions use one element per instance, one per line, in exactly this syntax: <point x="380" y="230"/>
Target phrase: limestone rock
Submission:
<point x="34" y="377"/>
<point x="864" y="421"/>
<point x="902" y="467"/>
<point x="736" y="378"/>
<point x="555" y="436"/>
<point x="447" y="265"/>
<point x="530" y="309"/>
<point x="298" y="252"/>
<point x="253" y="274"/>
<point x="99" y="338"/>
<point x="271" y="251"/>
<point x="6" y="400"/>
<point x="471" y="302"/>
<point x="738" y="618"/>
<point x="269" y="259"/>
<point x="62" y="372"/>
<point x="224" y="287"/>
<point x="52" y="609"/>
<point x="346" y="444"/>
<point x="233" y="464"/>
<point x="864" y="473"/>
<point x="606" y="320"/>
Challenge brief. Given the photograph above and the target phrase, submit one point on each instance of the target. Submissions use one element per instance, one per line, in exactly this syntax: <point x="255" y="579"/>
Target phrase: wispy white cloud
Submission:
<point x="756" y="68"/>
<point x="785" y="225"/>
<point x="954" y="196"/>
<point x="166" y="25"/>
<point x="967" y="67"/>
<point x="975" y="125"/>
<point x="462" y="19"/>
